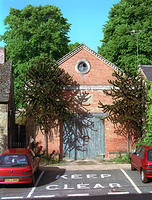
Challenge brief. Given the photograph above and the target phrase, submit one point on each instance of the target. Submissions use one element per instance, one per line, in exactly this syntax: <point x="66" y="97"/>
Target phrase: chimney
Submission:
<point x="2" y="55"/>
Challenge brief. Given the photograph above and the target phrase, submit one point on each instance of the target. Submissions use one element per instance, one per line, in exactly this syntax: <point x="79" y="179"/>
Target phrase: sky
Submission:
<point x="87" y="17"/>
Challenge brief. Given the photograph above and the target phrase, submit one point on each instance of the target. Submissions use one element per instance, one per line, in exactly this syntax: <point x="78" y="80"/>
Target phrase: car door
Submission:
<point x="135" y="158"/>
<point x="140" y="158"/>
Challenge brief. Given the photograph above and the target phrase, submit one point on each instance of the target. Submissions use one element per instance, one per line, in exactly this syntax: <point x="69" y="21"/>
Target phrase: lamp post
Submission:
<point x="136" y="32"/>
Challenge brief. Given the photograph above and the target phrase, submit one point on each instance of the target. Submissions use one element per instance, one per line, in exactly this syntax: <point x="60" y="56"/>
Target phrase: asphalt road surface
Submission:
<point x="53" y="182"/>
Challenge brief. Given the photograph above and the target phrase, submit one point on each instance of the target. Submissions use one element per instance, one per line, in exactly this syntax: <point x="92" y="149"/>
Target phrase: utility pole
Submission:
<point x="136" y="32"/>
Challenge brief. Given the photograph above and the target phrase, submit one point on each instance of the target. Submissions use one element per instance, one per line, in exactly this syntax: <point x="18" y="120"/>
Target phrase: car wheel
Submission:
<point x="144" y="179"/>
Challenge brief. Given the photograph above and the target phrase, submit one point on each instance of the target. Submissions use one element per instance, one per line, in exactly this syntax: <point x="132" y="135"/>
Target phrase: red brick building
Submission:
<point x="90" y="135"/>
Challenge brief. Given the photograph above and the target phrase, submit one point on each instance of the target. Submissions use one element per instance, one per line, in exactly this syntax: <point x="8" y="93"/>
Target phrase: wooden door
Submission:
<point x="84" y="137"/>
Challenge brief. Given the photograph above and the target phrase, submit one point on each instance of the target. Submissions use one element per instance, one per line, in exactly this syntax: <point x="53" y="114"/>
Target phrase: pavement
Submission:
<point x="91" y="165"/>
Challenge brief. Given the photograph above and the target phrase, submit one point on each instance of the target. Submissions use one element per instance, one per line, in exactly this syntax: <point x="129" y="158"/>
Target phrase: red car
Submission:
<point x="18" y="166"/>
<point x="141" y="160"/>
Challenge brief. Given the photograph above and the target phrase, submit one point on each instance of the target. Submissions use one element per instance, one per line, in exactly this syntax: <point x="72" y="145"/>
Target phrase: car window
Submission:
<point x="149" y="155"/>
<point x="13" y="160"/>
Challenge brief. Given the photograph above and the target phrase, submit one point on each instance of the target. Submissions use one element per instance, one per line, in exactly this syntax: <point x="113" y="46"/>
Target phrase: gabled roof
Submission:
<point x="83" y="46"/>
<point x="5" y="81"/>
<point x="147" y="71"/>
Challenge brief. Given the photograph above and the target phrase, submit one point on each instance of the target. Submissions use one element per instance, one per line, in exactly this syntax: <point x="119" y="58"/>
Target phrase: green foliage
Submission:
<point x="147" y="136"/>
<point x="127" y="110"/>
<point x="119" y="45"/>
<point x="47" y="161"/>
<point x="44" y="96"/>
<point x="122" y="158"/>
<point x="32" y="32"/>
<point x="73" y="46"/>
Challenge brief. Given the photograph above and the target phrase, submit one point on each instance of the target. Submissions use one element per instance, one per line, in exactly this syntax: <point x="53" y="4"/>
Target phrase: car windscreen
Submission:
<point x="149" y="155"/>
<point x="13" y="160"/>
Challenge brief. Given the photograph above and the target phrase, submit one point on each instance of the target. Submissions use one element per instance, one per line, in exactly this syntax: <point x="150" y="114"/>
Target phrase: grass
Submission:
<point x="121" y="159"/>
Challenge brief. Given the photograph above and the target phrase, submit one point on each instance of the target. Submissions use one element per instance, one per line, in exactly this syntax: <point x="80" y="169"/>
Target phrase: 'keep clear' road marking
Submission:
<point x="78" y="195"/>
<point x="131" y="181"/>
<point x="118" y="193"/>
<point x="33" y="189"/>
<point x="44" y="196"/>
<point x="11" y="197"/>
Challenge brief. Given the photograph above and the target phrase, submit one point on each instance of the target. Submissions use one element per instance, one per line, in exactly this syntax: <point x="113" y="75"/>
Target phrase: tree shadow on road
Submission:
<point x="51" y="174"/>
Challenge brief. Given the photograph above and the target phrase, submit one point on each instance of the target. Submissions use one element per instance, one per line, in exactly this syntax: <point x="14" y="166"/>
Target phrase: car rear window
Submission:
<point x="13" y="160"/>
<point x="149" y="155"/>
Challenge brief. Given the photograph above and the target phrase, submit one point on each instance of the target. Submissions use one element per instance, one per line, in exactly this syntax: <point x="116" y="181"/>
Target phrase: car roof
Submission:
<point x="16" y="151"/>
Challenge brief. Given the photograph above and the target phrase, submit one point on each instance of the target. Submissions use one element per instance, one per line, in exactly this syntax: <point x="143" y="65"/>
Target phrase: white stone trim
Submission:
<point x="90" y="87"/>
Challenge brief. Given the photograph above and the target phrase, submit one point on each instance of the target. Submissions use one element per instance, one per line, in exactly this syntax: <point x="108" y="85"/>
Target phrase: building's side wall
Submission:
<point x="3" y="126"/>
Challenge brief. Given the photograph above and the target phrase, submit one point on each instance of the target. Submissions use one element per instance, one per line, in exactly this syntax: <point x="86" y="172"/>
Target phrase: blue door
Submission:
<point x="83" y="137"/>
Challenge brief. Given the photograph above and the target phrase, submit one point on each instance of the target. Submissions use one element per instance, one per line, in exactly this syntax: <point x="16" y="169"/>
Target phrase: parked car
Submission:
<point x="141" y="160"/>
<point x="18" y="165"/>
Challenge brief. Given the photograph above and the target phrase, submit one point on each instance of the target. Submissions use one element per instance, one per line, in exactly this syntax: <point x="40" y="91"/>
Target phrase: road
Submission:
<point x="54" y="182"/>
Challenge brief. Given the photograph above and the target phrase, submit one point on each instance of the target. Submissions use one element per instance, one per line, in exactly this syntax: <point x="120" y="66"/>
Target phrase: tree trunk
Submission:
<point x="46" y="144"/>
<point x="128" y="142"/>
<point x="75" y="141"/>
<point x="61" y="142"/>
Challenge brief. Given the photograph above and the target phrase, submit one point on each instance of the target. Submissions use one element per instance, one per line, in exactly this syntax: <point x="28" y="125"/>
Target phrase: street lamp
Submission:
<point x="136" y="32"/>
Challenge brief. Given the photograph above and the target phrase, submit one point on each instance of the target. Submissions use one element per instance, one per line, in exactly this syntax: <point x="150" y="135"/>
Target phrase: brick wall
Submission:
<point x="53" y="140"/>
<point x="99" y="74"/>
<point x="97" y="78"/>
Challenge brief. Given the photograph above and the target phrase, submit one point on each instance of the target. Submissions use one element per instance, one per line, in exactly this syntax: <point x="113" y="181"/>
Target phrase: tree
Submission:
<point x="31" y="32"/>
<point x="147" y="136"/>
<point x="44" y="95"/>
<point x="73" y="46"/>
<point x="127" y="110"/>
<point x="119" y="45"/>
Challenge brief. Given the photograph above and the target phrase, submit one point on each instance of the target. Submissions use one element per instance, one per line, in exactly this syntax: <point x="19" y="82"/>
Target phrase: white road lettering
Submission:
<point x="83" y="186"/>
<point x="79" y="176"/>
<point x="64" y="177"/>
<point x="97" y="186"/>
<point x="113" y="185"/>
<point x="52" y="187"/>
<point x="91" y="176"/>
<point x="76" y="176"/>
<point x="67" y="188"/>
<point x="105" y="175"/>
